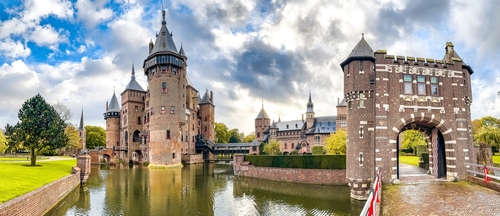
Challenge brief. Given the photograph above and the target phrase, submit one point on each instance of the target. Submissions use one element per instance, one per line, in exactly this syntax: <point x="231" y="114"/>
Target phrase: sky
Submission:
<point x="249" y="53"/>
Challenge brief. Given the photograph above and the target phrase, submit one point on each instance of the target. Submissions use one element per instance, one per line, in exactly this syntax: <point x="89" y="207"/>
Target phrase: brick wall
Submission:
<point x="41" y="200"/>
<point x="192" y="158"/>
<point x="310" y="176"/>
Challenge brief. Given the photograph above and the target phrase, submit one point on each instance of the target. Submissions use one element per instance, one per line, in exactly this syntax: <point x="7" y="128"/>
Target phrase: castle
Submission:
<point x="387" y="94"/>
<point x="159" y="125"/>
<point x="300" y="135"/>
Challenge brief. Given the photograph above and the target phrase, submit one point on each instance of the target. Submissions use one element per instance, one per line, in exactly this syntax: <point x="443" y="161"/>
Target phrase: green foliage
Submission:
<point x="235" y="136"/>
<point x="95" y="136"/>
<point x="73" y="138"/>
<point x="222" y="134"/>
<point x="336" y="143"/>
<point x="422" y="149"/>
<point x="249" y="138"/>
<point x="299" y="161"/>
<point x="12" y="144"/>
<point x="272" y="148"/>
<point x="294" y="152"/>
<point x="412" y="138"/>
<point x="318" y="150"/>
<point x="40" y="126"/>
<point x="3" y="142"/>
<point x="23" y="179"/>
<point x="489" y="135"/>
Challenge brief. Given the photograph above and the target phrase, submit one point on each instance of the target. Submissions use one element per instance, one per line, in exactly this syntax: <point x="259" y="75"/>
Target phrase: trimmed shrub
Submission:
<point x="294" y="152"/>
<point x="298" y="161"/>
<point x="421" y="149"/>
<point x="318" y="150"/>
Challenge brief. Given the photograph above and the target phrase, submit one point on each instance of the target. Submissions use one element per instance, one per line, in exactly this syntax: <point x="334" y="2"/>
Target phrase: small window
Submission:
<point x="360" y="159"/>
<point x="421" y="85"/>
<point x="152" y="111"/>
<point x="408" y="80"/>
<point x="139" y="120"/>
<point x="205" y="128"/>
<point x="164" y="87"/>
<point x="316" y="139"/>
<point x="434" y="86"/>
<point x="172" y="110"/>
<point x="173" y="155"/>
<point x="162" y="109"/>
<point x="292" y="145"/>
<point x="361" y="132"/>
<point x="136" y="109"/>
<point x="361" y="66"/>
<point x="286" y="145"/>
<point x="258" y="134"/>
<point x="168" y="134"/>
<point x="362" y="100"/>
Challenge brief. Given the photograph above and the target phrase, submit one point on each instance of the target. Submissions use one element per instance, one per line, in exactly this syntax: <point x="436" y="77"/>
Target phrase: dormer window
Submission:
<point x="286" y="126"/>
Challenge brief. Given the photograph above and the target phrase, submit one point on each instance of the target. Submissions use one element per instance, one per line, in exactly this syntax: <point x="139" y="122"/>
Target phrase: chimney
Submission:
<point x="211" y="97"/>
<point x="338" y="101"/>
<point x="106" y="106"/>
<point x="302" y="116"/>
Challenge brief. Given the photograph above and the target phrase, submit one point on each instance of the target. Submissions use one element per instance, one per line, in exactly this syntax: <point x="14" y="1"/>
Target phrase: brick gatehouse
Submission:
<point x="388" y="94"/>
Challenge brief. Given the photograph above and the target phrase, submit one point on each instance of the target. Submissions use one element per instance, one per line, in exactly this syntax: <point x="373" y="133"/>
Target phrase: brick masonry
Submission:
<point x="310" y="176"/>
<point x="41" y="200"/>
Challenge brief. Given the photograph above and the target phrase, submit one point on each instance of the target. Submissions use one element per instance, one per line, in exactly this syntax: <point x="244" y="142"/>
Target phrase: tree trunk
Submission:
<point x="33" y="156"/>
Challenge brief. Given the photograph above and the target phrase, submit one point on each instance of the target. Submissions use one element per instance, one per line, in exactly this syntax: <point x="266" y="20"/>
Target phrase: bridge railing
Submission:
<point x="483" y="171"/>
<point x="371" y="203"/>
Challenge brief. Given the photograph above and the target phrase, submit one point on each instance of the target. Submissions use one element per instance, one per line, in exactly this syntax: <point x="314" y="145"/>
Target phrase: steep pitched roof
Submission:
<point x="262" y="114"/>
<point x="310" y="104"/>
<point x="205" y="99"/>
<point x="273" y="125"/>
<point x="342" y="103"/>
<point x="361" y="51"/>
<point x="114" y="106"/>
<point x="323" y="125"/>
<point x="133" y="84"/>
<point x="164" y="41"/>
<point x="188" y="82"/>
<point x="181" y="52"/>
<point x="290" y="125"/>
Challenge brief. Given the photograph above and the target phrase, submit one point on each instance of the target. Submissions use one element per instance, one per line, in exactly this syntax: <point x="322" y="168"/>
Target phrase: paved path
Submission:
<point x="51" y="158"/>
<point x="422" y="194"/>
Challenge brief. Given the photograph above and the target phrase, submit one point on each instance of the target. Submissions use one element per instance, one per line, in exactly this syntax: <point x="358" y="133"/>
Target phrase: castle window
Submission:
<point x="136" y="109"/>
<point x="407" y="80"/>
<point x="163" y="69"/>
<point x="205" y="118"/>
<point x="434" y="86"/>
<point x="361" y="132"/>
<point x="258" y="134"/>
<point x="361" y="67"/>
<point x="286" y="146"/>
<point x="360" y="159"/>
<point x="205" y="128"/>
<point x="168" y="134"/>
<point x="139" y="120"/>
<point x="173" y="155"/>
<point x="316" y="139"/>
<point x="162" y="109"/>
<point x="192" y="126"/>
<point x="362" y="100"/>
<point x="349" y="104"/>
<point x="292" y="145"/>
<point x="172" y="110"/>
<point x="164" y="87"/>
<point x="343" y="124"/>
<point x="421" y="85"/>
<point x="152" y="111"/>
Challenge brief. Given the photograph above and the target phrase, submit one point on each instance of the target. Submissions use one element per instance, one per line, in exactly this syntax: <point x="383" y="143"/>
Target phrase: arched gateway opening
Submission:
<point x="434" y="159"/>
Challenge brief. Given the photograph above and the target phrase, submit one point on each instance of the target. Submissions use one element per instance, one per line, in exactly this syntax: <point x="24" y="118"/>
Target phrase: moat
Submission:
<point x="201" y="189"/>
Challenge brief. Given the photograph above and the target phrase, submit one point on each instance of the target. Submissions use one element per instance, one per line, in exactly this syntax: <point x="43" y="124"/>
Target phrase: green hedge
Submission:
<point x="298" y="161"/>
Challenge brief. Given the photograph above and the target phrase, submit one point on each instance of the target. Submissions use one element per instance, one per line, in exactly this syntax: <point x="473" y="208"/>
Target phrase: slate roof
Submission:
<point x="205" y="99"/>
<point x="164" y="41"/>
<point x="342" y="103"/>
<point x="114" y="106"/>
<point x="181" y="52"/>
<point x="310" y="104"/>
<point x="322" y="125"/>
<point x="362" y="50"/>
<point x="262" y="114"/>
<point x="81" y="122"/>
<point x="290" y="125"/>
<point x="133" y="84"/>
<point x="188" y="82"/>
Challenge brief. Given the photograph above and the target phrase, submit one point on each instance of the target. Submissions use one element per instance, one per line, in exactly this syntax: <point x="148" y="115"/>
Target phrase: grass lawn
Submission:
<point x="18" y="178"/>
<point x="20" y="159"/>
<point x="411" y="160"/>
<point x="496" y="159"/>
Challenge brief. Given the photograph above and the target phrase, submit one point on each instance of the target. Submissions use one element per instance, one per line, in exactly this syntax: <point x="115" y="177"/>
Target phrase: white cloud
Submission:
<point x="13" y="49"/>
<point x="36" y="9"/>
<point x="45" y="35"/>
<point x="93" y="13"/>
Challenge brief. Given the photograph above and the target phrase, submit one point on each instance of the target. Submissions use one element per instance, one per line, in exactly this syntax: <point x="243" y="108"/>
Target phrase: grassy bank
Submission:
<point x="18" y="178"/>
<point x="411" y="160"/>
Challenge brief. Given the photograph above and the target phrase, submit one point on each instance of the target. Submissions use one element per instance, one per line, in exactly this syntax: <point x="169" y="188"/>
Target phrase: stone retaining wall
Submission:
<point x="192" y="158"/>
<point x="43" y="199"/>
<point x="310" y="176"/>
<point x="480" y="181"/>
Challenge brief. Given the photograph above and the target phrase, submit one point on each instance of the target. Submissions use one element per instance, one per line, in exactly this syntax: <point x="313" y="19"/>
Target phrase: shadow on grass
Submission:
<point x="29" y="165"/>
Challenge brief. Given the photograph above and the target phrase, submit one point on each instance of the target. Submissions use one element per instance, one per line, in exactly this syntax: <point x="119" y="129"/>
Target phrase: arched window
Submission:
<point x="135" y="137"/>
<point x="126" y="138"/>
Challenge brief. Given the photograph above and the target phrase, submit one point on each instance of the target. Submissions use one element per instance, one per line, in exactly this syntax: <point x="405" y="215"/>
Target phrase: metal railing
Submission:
<point x="483" y="171"/>
<point x="374" y="197"/>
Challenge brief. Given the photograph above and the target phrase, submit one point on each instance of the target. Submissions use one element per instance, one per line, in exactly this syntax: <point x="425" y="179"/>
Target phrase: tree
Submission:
<point x="412" y="138"/>
<point x="235" y="136"/>
<point x="221" y="133"/>
<point x="40" y="126"/>
<point x="10" y="133"/>
<point x="475" y="125"/>
<point x="3" y="141"/>
<point x="63" y="111"/>
<point x="273" y="147"/>
<point x="249" y="138"/>
<point x="489" y="135"/>
<point x="95" y="136"/>
<point x="73" y="138"/>
<point x="336" y="142"/>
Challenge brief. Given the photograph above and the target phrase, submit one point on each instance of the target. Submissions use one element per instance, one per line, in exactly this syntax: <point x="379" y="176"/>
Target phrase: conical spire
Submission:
<point x="164" y="41"/>
<point x="81" y="122"/>
<point x="133" y="84"/>
<point x="310" y="104"/>
<point x="114" y="106"/>
<point x="262" y="114"/>
<point x="181" y="52"/>
<point x="362" y="51"/>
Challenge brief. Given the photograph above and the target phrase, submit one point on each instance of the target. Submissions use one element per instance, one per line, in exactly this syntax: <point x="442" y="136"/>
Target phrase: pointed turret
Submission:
<point x="362" y="51"/>
<point x="133" y="84"/>
<point x="310" y="112"/>
<point x="81" y="127"/>
<point x="164" y="41"/>
<point x="273" y="125"/>
<point x="207" y="99"/>
<point x="310" y="104"/>
<point x="181" y="52"/>
<point x="262" y="114"/>
<point x="113" y="110"/>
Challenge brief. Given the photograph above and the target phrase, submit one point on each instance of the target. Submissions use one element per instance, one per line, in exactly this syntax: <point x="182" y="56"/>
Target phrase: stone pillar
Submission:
<point x="237" y="159"/>
<point x="83" y="162"/>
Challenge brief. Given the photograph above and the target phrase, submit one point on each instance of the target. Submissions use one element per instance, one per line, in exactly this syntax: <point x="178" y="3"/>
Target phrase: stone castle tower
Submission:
<point x="310" y="113"/>
<point x="262" y="123"/>
<point x="386" y="95"/>
<point x="207" y="114"/>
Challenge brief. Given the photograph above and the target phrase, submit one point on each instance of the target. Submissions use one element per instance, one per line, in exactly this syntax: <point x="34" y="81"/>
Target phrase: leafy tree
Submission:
<point x="235" y="136"/>
<point x="318" y="150"/>
<point x="475" y="125"/>
<point x="273" y="147"/>
<point x="10" y="133"/>
<point x="490" y="121"/>
<point x="63" y="111"/>
<point x="249" y="138"/>
<point x="73" y="138"/>
<point x="3" y="141"/>
<point x="413" y="138"/>
<point x="489" y="135"/>
<point x="40" y="126"/>
<point x="222" y="134"/>
<point x="95" y="136"/>
<point x="336" y="142"/>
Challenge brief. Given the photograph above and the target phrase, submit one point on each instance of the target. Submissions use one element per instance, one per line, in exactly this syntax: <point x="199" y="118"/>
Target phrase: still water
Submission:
<point x="201" y="189"/>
